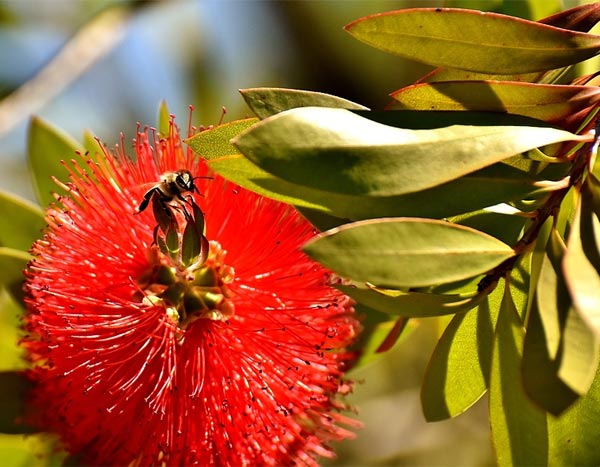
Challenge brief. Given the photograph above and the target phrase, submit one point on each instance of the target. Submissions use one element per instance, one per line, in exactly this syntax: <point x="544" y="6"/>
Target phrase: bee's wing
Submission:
<point x="148" y="186"/>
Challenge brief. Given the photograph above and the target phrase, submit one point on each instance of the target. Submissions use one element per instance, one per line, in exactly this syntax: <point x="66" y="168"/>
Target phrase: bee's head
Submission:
<point x="185" y="181"/>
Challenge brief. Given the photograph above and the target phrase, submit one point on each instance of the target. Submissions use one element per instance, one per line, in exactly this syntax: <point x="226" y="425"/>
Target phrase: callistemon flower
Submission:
<point x="144" y="354"/>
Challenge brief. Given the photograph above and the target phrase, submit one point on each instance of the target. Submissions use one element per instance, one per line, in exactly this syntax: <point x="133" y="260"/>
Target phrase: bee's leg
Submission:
<point x="147" y="197"/>
<point x="162" y="213"/>
<point x="189" y="200"/>
<point x="187" y="215"/>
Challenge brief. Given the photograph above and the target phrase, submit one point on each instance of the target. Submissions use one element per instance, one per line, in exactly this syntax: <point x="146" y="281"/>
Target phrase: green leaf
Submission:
<point x="580" y="18"/>
<point x="12" y="264"/>
<point x="580" y="268"/>
<point x="164" y="120"/>
<point x="241" y="171"/>
<point x="47" y="147"/>
<point x="407" y="252"/>
<point x="410" y="304"/>
<point x="376" y="329"/>
<point x="214" y="143"/>
<point x="321" y="220"/>
<point x="42" y="450"/>
<point x="453" y="74"/>
<point x="538" y="255"/>
<point x="580" y="353"/>
<point x="573" y="437"/>
<point x="14" y="387"/>
<point x="591" y="187"/>
<point x="551" y="296"/>
<point x="505" y="227"/>
<point x="11" y="311"/>
<point x="486" y="187"/>
<point x="92" y="145"/>
<point x="546" y="102"/>
<point x="472" y="40"/>
<point x="265" y="102"/>
<point x="23" y="222"/>
<point x="540" y="369"/>
<point x="336" y="150"/>
<point x="457" y="373"/>
<point x="395" y="333"/>
<point x="519" y="285"/>
<point x="550" y="342"/>
<point x="519" y="431"/>
<point x="431" y="119"/>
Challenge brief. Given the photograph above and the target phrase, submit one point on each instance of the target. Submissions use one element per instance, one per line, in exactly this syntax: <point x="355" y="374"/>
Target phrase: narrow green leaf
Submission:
<point x="321" y="220"/>
<point x="432" y="119"/>
<point x="241" y="171"/>
<point x="539" y="254"/>
<point x="580" y="18"/>
<point x="40" y="449"/>
<point x="546" y="102"/>
<point x="410" y="304"/>
<point x="214" y="142"/>
<point x="519" y="285"/>
<point x="265" y="102"/>
<point x="452" y="74"/>
<point x="164" y="120"/>
<point x="573" y="437"/>
<point x="592" y="187"/>
<point x="472" y="40"/>
<point x="92" y="145"/>
<point x="519" y="431"/>
<point x="540" y="369"/>
<point x="505" y="227"/>
<point x="457" y="373"/>
<point x="376" y="329"/>
<point x="407" y="252"/>
<point x="11" y="312"/>
<point x="492" y="185"/>
<point x="582" y="329"/>
<point x="23" y="222"/>
<point x="392" y="338"/>
<point x="14" y="387"/>
<point x="47" y="147"/>
<point x="336" y="150"/>
<point x="580" y="353"/>
<point x="552" y="298"/>
<point x="12" y="264"/>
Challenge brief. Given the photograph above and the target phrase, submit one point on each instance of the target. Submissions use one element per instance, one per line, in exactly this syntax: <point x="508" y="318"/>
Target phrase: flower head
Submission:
<point x="156" y="339"/>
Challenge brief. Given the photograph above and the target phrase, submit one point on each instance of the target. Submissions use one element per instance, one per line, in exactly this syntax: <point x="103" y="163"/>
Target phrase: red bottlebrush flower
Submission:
<point x="143" y="356"/>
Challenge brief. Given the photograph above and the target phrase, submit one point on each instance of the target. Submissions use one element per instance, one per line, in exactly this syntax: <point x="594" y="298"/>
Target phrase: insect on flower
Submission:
<point x="170" y="190"/>
<point x="242" y="342"/>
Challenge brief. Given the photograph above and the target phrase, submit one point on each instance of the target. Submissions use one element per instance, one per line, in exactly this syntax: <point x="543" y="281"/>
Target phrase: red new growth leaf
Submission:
<point x="143" y="359"/>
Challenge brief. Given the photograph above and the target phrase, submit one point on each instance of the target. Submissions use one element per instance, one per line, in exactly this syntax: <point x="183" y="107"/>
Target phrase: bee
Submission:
<point x="170" y="190"/>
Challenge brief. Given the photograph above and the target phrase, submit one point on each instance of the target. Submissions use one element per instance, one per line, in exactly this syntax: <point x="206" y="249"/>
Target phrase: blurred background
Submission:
<point x="105" y="65"/>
